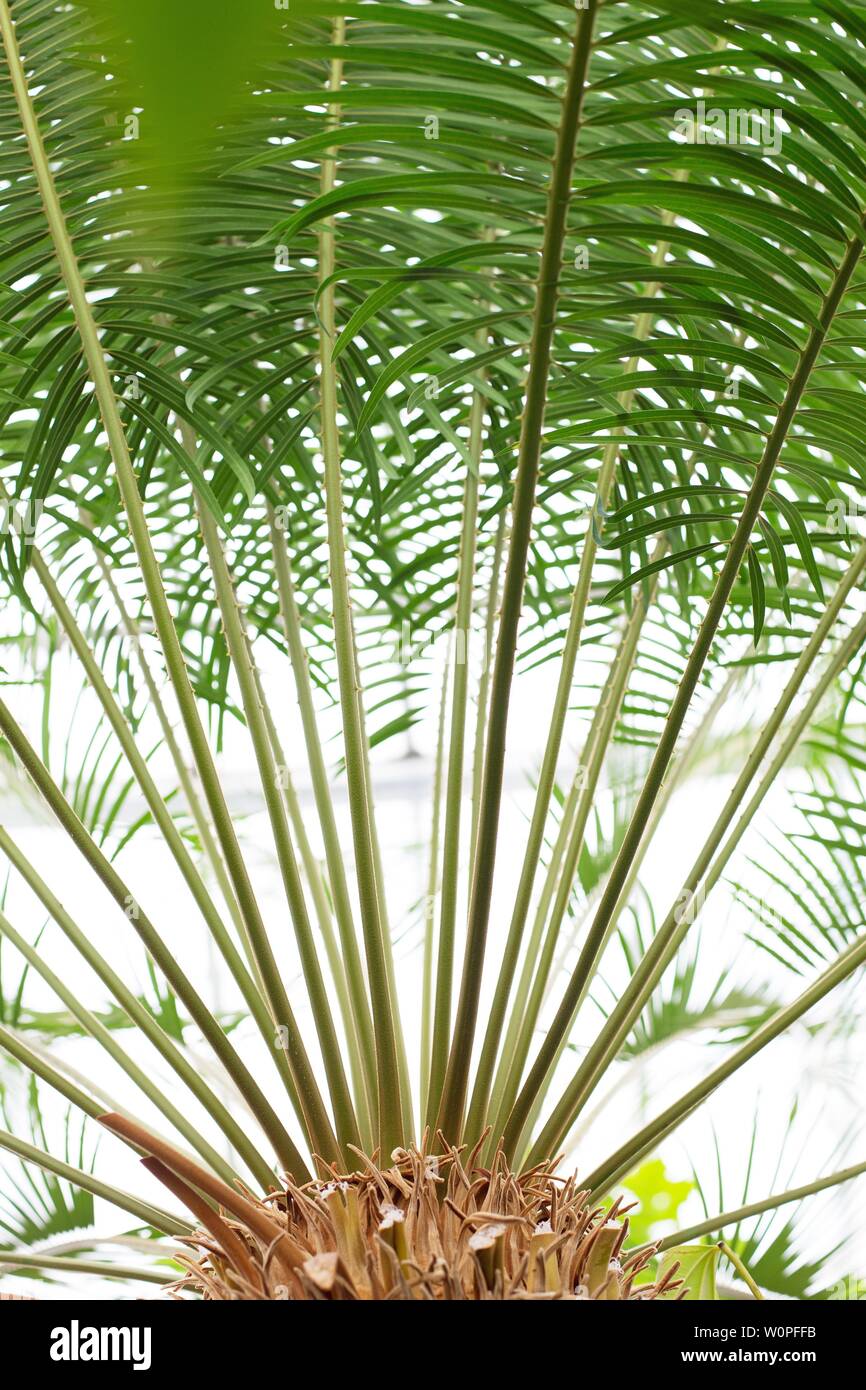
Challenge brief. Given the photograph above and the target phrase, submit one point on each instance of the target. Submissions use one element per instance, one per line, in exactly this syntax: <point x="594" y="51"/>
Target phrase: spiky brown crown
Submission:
<point x="427" y="1227"/>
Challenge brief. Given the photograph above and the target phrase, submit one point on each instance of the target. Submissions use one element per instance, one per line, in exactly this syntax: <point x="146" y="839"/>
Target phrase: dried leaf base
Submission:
<point x="425" y="1228"/>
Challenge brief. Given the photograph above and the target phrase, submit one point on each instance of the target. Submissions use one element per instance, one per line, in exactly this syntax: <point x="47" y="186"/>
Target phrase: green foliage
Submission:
<point x="696" y="1267"/>
<point x="618" y="427"/>
<point x="659" y="1198"/>
<point x="35" y="1206"/>
<point x="770" y="1244"/>
<point x="729" y="1012"/>
<point x="188" y="68"/>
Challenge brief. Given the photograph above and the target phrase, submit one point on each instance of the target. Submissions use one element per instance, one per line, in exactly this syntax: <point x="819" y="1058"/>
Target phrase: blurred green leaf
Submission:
<point x="697" y="1266"/>
<point x="184" y="69"/>
<point x="659" y="1198"/>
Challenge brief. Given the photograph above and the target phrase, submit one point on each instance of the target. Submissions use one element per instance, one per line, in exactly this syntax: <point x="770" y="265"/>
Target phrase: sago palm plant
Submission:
<point x="528" y="333"/>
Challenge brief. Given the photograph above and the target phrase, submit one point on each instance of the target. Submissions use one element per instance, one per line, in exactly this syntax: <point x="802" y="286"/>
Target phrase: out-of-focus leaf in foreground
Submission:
<point x="183" y="70"/>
